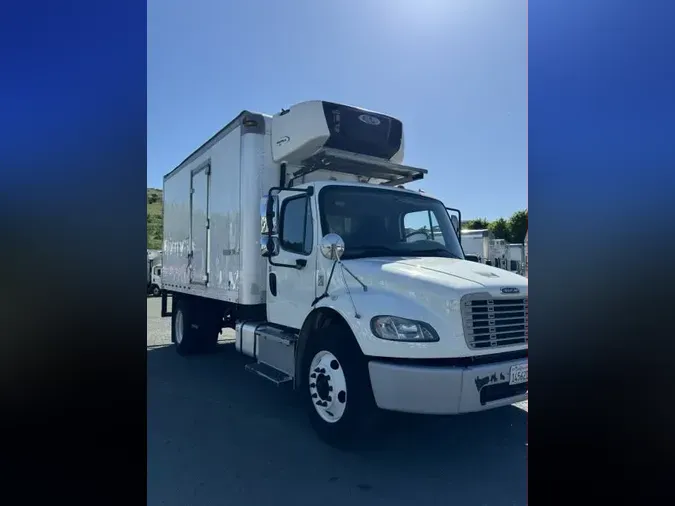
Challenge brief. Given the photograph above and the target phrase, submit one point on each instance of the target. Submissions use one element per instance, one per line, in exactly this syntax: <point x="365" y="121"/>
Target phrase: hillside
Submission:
<point x="154" y="218"/>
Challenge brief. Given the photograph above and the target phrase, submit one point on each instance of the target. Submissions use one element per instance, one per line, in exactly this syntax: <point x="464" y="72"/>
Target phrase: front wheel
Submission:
<point x="336" y="387"/>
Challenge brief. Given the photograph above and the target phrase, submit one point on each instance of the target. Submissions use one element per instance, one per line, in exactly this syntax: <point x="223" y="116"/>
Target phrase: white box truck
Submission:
<point x="296" y="231"/>
<point x="500" y="252"/>
<point x="516" y="258"/>
<point x="478" y="245"/>
<point x="154" y="271"/>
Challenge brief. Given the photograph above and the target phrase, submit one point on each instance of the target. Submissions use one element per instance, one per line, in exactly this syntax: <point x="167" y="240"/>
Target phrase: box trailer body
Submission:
<point x="212" y="215"/>
<point x="296" y="231"/>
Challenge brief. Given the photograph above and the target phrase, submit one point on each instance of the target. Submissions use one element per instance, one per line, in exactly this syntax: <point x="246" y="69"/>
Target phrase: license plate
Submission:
<point x="518" y="374"/>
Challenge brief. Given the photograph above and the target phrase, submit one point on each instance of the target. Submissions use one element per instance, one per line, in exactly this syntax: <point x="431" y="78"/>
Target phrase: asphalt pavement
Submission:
<point x="219" y="435"/>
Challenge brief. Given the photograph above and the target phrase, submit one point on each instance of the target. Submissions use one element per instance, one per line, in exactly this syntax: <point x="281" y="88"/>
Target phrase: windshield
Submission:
<point x="378" y="222"/>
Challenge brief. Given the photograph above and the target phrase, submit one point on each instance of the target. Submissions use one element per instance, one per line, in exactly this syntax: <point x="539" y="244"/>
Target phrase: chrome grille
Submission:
<point x="492" y="322"/>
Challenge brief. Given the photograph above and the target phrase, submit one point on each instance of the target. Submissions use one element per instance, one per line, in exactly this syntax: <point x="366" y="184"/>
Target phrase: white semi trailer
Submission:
<point x="295" y="231"/>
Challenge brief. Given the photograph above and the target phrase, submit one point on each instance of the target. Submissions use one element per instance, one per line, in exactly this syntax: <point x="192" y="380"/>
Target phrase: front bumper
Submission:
<point x="444" y="390"/>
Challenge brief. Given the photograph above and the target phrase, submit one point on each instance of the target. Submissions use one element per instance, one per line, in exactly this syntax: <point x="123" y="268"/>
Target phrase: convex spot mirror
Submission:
<point x="332" y="246"/>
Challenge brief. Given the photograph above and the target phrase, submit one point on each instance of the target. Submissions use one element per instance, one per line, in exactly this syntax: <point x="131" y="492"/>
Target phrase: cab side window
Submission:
<point x="296" y="233"/>
<point x="422" y="225"/>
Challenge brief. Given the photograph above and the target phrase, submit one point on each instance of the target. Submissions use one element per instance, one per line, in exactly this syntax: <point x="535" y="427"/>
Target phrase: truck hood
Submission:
<point x="425" y="289"/>
<point x="461" y="275"/>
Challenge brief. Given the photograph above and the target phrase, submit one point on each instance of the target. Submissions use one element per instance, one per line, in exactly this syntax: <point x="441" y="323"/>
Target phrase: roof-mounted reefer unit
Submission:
<point x="318" y="135"/>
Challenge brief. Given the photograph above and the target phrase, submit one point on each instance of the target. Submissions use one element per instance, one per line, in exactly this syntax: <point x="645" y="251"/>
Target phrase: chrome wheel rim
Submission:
<point x="328" y="387"/>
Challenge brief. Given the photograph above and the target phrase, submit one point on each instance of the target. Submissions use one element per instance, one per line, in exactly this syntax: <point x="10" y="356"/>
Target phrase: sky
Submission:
<point x="453" y="71"/>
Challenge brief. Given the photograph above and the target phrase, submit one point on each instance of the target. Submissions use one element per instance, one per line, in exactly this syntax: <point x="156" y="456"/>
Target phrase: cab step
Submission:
<point x="269" y="373"/>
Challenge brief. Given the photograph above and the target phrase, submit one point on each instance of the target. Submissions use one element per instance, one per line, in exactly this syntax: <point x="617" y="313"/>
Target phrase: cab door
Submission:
<point x="291" y="272"/>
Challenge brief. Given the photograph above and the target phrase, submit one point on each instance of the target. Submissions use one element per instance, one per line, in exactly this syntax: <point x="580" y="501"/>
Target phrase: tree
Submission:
<point x="500" y="229"/>
<point x="518" y="226"/>
<point x="477" y="224"/>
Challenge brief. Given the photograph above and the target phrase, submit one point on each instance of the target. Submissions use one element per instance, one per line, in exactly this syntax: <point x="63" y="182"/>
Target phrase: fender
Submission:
<point x="372" y="303"/>
<point x="317" y="318"/>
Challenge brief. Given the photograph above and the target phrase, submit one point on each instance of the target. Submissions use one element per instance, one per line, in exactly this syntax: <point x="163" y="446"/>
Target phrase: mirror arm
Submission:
<point x="365" y="288"/>
<point x="325" y="292"/>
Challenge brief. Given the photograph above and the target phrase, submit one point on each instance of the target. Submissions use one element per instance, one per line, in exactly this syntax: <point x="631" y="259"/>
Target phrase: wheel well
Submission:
<point x="319" y="318"/>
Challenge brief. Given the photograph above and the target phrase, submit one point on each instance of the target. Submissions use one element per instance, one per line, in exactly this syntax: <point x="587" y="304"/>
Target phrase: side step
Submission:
<point x="269" y="373"/>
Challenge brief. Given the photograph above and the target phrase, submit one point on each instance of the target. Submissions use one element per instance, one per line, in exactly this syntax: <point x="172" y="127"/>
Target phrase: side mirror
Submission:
<point x="456" y="220"/>
<point x="455" y="223"/>
<point x="269" y="246"/>
<point x="269" y="206"/>
<point x="332" y="247"/>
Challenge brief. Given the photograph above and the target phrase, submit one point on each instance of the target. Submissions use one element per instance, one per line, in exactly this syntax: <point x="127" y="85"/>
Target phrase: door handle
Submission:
<point x="301" y="262"/>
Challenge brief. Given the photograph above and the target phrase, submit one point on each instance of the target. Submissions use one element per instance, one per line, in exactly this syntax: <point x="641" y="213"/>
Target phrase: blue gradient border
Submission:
<point x="601" y="178"/>
<point x="72" y="206"/>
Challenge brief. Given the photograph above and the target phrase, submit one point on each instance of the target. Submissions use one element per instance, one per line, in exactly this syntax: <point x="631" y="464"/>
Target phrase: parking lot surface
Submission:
<point x="218" y="435"/>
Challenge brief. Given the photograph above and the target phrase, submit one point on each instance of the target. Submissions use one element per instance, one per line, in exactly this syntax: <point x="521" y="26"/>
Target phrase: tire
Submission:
<point x="156" y="292"/>
<point x="193" y="328"/>
<point x="335" y="374"/>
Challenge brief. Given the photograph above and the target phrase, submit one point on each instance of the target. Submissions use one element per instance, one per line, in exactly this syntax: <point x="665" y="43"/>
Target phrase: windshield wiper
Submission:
<point x="361" y="251"/>
<point x="435" y="251"/>
<point x="366" y="251"/>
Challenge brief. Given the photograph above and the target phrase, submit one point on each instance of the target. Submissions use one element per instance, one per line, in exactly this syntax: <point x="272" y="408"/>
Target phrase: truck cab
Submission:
<point x="156" y="280"/>
<point x="399" y="256"/>
<point x="378" y="227"/>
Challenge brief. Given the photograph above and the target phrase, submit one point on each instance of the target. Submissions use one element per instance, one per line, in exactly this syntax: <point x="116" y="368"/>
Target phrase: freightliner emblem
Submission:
<point x="510" y="290"/>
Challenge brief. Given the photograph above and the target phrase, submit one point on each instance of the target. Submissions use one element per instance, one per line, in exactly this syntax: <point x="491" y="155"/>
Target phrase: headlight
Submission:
<point x="393" y="328"/>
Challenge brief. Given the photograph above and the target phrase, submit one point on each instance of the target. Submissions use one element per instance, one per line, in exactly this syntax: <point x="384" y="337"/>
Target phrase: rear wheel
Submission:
<point x="194" y="328"/>
<point x="336" y="387"/>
